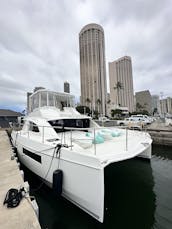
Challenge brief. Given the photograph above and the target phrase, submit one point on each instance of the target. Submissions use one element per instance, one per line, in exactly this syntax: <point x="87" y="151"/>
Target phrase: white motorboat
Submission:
<point x="56" y="138"/>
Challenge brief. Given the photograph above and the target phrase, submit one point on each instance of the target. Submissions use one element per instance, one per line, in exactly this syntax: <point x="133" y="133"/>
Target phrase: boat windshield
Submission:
<point x="60" y="124"/>
<point x="43" y="98"/>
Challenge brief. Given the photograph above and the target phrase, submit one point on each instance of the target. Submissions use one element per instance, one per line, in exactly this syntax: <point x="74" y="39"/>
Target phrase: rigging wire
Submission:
<point x="43" y="181"/>
<point x="57" y="151"/>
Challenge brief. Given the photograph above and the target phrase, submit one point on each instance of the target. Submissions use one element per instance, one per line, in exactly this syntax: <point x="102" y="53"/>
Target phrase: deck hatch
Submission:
<point x="32" y="155"/>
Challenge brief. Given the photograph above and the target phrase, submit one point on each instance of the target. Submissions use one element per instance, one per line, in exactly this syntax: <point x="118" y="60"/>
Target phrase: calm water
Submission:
<point x="138" y="196"/>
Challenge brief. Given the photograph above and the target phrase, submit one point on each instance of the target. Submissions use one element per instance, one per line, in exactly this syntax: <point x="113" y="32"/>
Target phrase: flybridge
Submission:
<point x="43" y="98"/>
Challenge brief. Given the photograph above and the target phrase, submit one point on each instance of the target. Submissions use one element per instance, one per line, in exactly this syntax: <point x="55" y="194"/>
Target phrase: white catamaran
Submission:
<point x="56" y="140"/>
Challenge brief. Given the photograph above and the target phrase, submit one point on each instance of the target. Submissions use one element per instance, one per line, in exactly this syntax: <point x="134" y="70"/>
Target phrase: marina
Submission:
<point x="85" y="115"/>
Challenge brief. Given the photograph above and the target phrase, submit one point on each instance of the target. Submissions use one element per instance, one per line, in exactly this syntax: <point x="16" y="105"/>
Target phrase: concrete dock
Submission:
<point x="160" y="133"/>
<point x="23" y="216"/>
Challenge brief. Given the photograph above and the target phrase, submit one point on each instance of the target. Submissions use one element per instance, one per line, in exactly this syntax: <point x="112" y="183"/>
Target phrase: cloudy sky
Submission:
<point x="39" y="43"/>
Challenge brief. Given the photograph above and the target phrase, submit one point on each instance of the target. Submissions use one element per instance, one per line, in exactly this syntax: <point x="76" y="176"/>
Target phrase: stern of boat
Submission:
<point x="147" y="152"/>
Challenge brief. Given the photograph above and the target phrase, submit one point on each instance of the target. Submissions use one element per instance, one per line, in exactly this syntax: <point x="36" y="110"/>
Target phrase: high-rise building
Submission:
<point x="144" y="101"/>
<point x="121" y="83"/>
<point x="163" y="107"/>
<point x="169" y="105"/>
<point x="66" y="87"/>
<point x="93" y="68"/>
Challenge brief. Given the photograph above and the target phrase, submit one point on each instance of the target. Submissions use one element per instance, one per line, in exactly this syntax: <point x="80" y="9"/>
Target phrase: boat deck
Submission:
<point x="127" y="145"/>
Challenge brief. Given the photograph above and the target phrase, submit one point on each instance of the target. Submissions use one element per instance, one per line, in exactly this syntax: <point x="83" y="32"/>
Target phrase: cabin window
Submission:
<point x="35" y="101"/>
<point x="43" y="99"/>
<point x="69" y="123"/>
<point x="33" y="127"/>
<point x="50" y="99"/>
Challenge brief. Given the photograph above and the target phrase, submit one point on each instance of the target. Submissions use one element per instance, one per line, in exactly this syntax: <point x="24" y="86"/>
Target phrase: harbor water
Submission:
<point x="138" y="195"/>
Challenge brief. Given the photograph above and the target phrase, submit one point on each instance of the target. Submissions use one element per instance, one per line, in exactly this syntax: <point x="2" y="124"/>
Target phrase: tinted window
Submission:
<point x="33" y="127"/>
<point x="73" y="123"/>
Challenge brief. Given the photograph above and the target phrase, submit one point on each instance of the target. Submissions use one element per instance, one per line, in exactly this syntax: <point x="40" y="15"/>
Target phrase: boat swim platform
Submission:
<point x="22" y="216"/>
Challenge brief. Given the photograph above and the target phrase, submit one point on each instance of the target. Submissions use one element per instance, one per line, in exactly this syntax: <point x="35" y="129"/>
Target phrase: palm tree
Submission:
<point x="88" y="100"/>
<point x="118" y="86"/>
<point x="98" y="103"/>
<point x="109" y="101"/>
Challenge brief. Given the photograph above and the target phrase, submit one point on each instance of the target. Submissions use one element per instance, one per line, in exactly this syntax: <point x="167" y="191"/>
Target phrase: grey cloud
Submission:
<point x="39" y="43"/>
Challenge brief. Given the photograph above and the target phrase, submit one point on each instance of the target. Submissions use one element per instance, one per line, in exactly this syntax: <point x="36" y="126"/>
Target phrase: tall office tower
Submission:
<point x="121" y="83"/>
<point x="66" y="87"/>
<point x="93" y="68"/>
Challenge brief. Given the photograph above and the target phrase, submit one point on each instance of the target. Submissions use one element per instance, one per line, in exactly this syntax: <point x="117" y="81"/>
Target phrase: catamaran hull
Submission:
<point x="83" y="176"/>
<point x="82" y="185"/>
<point x="147" y="153"/>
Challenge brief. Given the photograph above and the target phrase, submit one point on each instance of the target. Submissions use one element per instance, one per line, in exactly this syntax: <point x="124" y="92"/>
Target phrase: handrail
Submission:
<point x="94" y="131"/>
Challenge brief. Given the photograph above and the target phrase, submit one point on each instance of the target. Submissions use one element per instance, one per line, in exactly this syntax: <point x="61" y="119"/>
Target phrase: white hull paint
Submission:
<point x="82" y="185"/>
<point x="83" y="177"/>
<point x="147" y="153"/>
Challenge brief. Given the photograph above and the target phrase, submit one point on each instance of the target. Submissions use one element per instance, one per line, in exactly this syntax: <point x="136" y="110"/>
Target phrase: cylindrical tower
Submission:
<point x="93" y="68"/>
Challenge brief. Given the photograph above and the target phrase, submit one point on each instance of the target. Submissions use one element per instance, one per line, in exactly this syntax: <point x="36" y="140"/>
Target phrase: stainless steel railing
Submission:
<point x="70" y="138"/>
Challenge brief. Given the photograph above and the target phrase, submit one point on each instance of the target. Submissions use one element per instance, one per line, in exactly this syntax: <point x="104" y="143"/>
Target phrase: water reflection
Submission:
<point x="162" y="172"/>
<point x="163" y="152"/>
<point x="129" y="200"/>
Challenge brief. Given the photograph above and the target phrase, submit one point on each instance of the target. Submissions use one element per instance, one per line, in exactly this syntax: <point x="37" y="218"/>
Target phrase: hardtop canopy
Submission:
<point x="45" y="97"/>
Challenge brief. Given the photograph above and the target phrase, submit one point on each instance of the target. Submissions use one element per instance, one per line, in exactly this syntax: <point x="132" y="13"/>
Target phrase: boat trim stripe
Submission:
<point x="34" y="156"/>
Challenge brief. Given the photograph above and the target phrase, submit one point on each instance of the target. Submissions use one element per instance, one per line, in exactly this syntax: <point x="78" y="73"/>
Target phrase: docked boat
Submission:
<point x="56" y="141"/>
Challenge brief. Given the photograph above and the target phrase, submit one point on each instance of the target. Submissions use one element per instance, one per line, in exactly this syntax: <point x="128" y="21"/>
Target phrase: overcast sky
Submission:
<point x="39" y="43"/>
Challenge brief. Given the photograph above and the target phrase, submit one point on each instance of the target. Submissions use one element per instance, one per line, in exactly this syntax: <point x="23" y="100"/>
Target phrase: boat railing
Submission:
<point x="91" y="130"/>
<point x="69" y="139"/>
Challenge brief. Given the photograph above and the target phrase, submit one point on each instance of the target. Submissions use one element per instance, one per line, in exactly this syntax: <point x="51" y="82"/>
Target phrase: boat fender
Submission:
<point x="57" y="181"/>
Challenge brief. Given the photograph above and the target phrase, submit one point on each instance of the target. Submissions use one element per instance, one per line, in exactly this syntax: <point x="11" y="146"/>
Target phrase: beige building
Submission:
<point x="163" y="107"/>
<point x="92" y="68"/>
<point x="166" y="106"/>
<point x="121" y="83"/>
<point x="169" y="105"/>
<point x="144" y="101"/>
